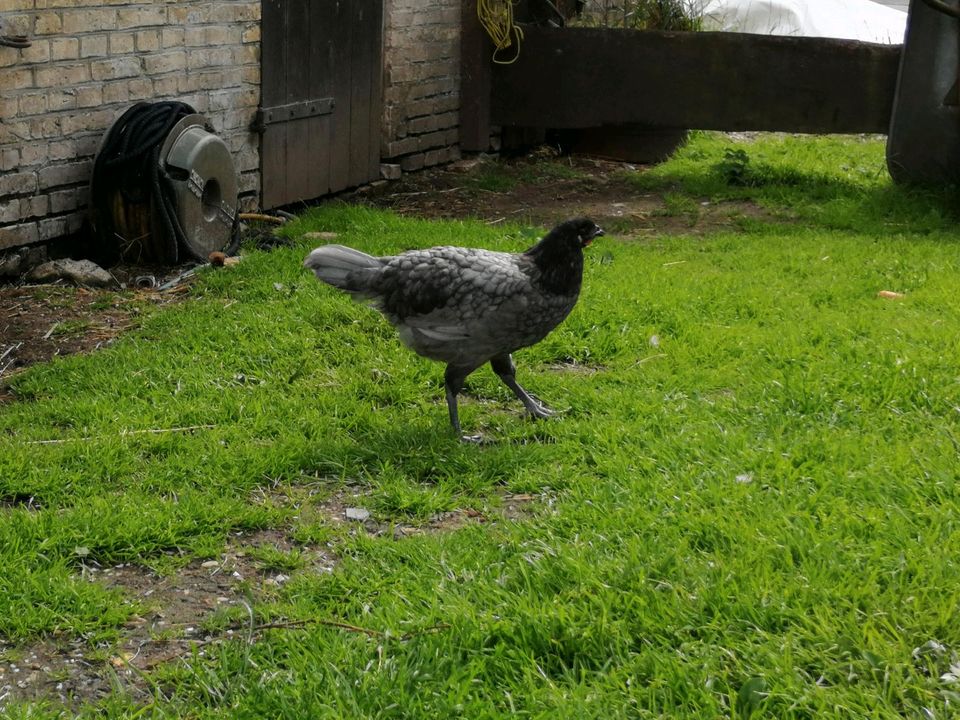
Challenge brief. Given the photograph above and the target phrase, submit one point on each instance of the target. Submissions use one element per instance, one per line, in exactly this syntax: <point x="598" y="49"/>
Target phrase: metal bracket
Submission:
<point x="292" y="111"/>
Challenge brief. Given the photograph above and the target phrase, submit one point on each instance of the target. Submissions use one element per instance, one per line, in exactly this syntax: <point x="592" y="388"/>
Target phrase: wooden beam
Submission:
<point x="588" y="77"/>
<point x="476" y="49"/>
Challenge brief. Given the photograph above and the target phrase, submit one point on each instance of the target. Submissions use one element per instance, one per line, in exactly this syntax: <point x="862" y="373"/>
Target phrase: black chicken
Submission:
<point x="466" y="306"/>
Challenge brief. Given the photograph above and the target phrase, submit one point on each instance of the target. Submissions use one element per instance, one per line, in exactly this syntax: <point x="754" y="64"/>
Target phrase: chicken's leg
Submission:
<point x="453" y="380"/>
<point x="505" y="369"/>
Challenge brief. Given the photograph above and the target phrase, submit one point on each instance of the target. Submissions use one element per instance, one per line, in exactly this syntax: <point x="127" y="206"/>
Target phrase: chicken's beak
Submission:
<point x="590" y="238"/>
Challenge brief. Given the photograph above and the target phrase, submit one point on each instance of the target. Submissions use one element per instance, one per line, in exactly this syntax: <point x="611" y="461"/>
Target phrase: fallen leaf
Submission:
<point x="890" y="295"/>
<point x="121" y="660"/>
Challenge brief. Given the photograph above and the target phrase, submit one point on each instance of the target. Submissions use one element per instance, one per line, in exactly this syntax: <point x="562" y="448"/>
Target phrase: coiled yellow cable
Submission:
<point x="496" y="16"/>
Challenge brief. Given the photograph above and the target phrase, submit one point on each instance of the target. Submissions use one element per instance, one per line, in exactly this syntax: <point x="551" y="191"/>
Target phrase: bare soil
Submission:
<point x="176" y="614"/>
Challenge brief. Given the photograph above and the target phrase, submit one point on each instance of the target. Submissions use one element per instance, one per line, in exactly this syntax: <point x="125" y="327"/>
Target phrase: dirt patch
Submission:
<point x="175" y="615"/>
<point x="206" y="601"/>
<point x="544" y="189"/>
<point x="41" y="322"/>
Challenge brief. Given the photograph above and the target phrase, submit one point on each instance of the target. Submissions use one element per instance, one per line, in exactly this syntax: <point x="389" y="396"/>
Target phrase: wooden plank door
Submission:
<point x="321" y="97"/>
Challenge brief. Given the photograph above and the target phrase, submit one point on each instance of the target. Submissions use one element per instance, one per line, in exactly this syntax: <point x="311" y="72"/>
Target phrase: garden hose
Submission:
<point x="496" y="16"/>
<point x="129" y="163"/>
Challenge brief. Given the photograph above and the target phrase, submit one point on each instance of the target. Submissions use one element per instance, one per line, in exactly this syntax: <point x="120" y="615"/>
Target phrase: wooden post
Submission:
<point x="476" y="49"/>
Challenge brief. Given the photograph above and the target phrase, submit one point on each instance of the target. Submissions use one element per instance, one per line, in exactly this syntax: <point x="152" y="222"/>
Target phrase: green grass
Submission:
<point x="754" y="515"/>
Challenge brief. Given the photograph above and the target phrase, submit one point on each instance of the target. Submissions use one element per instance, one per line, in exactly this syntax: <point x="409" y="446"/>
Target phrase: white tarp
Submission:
<point x="851" y="19"/>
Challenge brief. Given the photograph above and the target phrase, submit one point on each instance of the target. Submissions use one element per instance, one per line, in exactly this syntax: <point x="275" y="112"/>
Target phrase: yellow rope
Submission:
<point x="496" y="16"/>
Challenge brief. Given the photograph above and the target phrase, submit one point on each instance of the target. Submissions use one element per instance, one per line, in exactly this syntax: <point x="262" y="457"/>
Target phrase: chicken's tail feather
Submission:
<point x="333" y="264"/>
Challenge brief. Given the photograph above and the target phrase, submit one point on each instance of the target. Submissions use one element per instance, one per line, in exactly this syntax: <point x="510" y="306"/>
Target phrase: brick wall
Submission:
<point x="92" y="59"/>
<point x="421" y="82"/>
<point x="88" y="62"/>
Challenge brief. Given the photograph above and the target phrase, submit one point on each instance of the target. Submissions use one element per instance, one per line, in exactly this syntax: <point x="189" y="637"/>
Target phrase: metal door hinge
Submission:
<point x="292" y="111"/>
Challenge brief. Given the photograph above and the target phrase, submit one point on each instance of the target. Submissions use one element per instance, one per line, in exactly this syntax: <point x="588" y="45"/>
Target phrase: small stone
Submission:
<point x="390" y="171"/>
<point x="80" y="272"/>
<point x="210" y="564"/>
<point x="359" y="514"/>
<point x="321" y="235"/>
<point x="10" y="264"/>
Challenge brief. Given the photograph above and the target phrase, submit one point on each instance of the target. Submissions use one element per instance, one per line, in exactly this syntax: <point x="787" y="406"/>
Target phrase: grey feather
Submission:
<point x="333" y="264"/>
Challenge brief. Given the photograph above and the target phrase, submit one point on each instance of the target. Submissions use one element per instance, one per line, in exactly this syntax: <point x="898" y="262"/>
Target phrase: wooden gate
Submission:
<point x="321" y="97"/>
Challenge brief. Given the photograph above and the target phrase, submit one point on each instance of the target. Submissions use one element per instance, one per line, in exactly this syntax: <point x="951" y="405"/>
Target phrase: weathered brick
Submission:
<point x="402" y="147"/>
<point x="17" y="24"/>
<point x="91" y="20"/>
<point x="15" y="235"/>
<point x="121" y="43"/>
<point x="61" y="99"/>
<point x="34" y="206"/>
<point x="166" y="87"/>
<point x="89" y="96"/>
<point x="47" y="23"/>
<point x="16" y="79"/>
<point x="18" y="183"/>
<point x="141" y="17"/>
<point x="235" y="12"/>
<point x="64" y="200"/>
<point x="33" y="104"/>
<point x="246" y="54"/>
<point x="412" y="162"/>
<point x="62" y="75"/>
<point x="14" y="131"/>
<point x="222" y="35"/>
<point x="140" y="89"/>
<point x="157" y="64"/>
<point x="148" y="40"/>
<point x="51" y="228"/>
<point x="9" y="158"/>
<point x="34" y="153"/>
<point x="431" y="140"/>
<point x="44" y="127"/>
<point x="114" y="92"/>
<point x="195" y="36"/>
<point x="64" y="174"/>
<point x="63" y="48"/>
<point x="179" y="15"/>
<point x="113" y="68"/>
<point x="172" y="37"/>
<point x="251" y="34"/>
<point x="249" y="182"/>
<point x="93" y="46"/>
<point x="62" y="149"/>
<point x="9" y="211"/>
<point x="202" y="58"/>
<point x="97" y="120"/>
<point x="8" y="56"/>
<point x="38" y="52"/>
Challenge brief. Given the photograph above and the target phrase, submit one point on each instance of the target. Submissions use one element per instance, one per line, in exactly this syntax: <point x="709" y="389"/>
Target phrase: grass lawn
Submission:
<point x="749" y="506"/>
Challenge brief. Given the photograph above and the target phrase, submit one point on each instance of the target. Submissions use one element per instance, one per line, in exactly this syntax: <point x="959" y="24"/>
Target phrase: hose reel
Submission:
<point x="164" y="187"/>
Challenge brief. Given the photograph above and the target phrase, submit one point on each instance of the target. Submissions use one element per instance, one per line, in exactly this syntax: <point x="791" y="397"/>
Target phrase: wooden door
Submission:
<point x="321" y="97"/>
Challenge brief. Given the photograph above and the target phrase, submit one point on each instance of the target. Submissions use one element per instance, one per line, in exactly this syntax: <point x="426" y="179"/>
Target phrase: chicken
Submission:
<point x="467" y="306"/>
